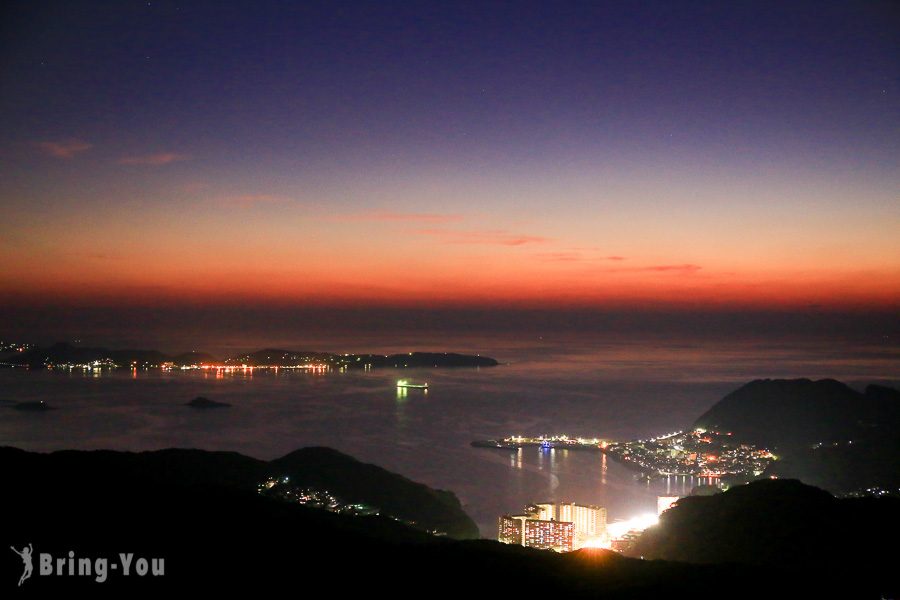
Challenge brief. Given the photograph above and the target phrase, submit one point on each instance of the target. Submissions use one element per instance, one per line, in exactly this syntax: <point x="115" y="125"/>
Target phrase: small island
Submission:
<point x="37" y="406"/>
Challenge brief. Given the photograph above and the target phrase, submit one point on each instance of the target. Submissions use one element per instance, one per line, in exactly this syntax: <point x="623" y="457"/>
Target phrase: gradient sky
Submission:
<point x="597" y="155"/>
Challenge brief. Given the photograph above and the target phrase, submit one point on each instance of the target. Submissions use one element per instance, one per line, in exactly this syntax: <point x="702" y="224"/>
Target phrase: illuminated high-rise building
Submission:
<point x="543" y="534"/>
<point x="589" y="520"/>
<point x="512" y="529"/>
<point x="562" y="526"/>
<point x="549" y="535"/>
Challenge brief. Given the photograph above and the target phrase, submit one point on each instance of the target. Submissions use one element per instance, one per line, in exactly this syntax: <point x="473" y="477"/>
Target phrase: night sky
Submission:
<point x="596" y="156"/>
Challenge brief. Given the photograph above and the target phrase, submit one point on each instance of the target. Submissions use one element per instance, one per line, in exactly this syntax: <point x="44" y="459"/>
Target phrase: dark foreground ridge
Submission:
<point x="322" y="468"/>
<point x="781" y="522"/>
<point x="193" y="509"/>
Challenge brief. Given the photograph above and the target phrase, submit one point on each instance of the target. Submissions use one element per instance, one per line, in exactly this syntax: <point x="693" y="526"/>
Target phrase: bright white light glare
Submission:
<point x="619" y="528"/>
<point x="597" y="542"/>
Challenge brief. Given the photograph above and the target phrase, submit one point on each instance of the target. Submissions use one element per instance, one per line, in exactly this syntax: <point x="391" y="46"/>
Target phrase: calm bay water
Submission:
<point x="578" y="386"/>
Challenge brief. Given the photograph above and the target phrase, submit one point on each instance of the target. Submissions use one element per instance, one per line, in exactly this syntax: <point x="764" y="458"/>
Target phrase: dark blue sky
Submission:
<point x="435" y="73"/>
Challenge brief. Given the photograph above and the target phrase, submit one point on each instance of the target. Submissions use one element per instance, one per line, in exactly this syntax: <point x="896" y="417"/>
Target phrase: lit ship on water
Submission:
<point x="406" y="384"/>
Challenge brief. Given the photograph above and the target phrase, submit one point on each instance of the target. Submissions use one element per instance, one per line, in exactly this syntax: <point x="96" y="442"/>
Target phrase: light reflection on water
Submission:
<point x="611" y="390"/>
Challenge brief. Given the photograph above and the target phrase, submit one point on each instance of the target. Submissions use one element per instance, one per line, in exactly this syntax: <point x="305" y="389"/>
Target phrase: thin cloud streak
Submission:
<point x="559" y="257"/>
<point x="403" y="217"/>
<point x="250" y="200"/>
<point x="570" y="257"/>
<point x="162" y="158"/>
<point x="64" y="149"/>
<point x="685" y="269"/>
<point x="501" y="238"/>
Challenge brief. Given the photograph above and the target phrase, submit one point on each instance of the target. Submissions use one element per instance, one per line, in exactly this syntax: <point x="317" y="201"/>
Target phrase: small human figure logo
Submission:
<point x="26" y="553"/>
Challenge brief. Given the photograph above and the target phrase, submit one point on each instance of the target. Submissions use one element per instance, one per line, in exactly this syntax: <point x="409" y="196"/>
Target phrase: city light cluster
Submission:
<point x="282" y="489"/>
<point x="694" y="453"/>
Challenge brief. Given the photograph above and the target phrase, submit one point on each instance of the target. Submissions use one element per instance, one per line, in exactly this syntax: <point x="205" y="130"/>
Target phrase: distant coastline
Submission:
<point x="67" y="356"/>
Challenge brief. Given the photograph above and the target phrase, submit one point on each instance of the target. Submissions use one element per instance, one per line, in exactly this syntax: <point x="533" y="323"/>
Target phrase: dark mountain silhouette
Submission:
<point x="782" y="523"/>
<point x="824" y="432"/>
<point x="789" y="412"/>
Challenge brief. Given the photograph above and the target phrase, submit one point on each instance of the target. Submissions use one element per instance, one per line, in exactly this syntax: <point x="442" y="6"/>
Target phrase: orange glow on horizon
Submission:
<point x="846" y="292"/>
<point x="236" y="257"/>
